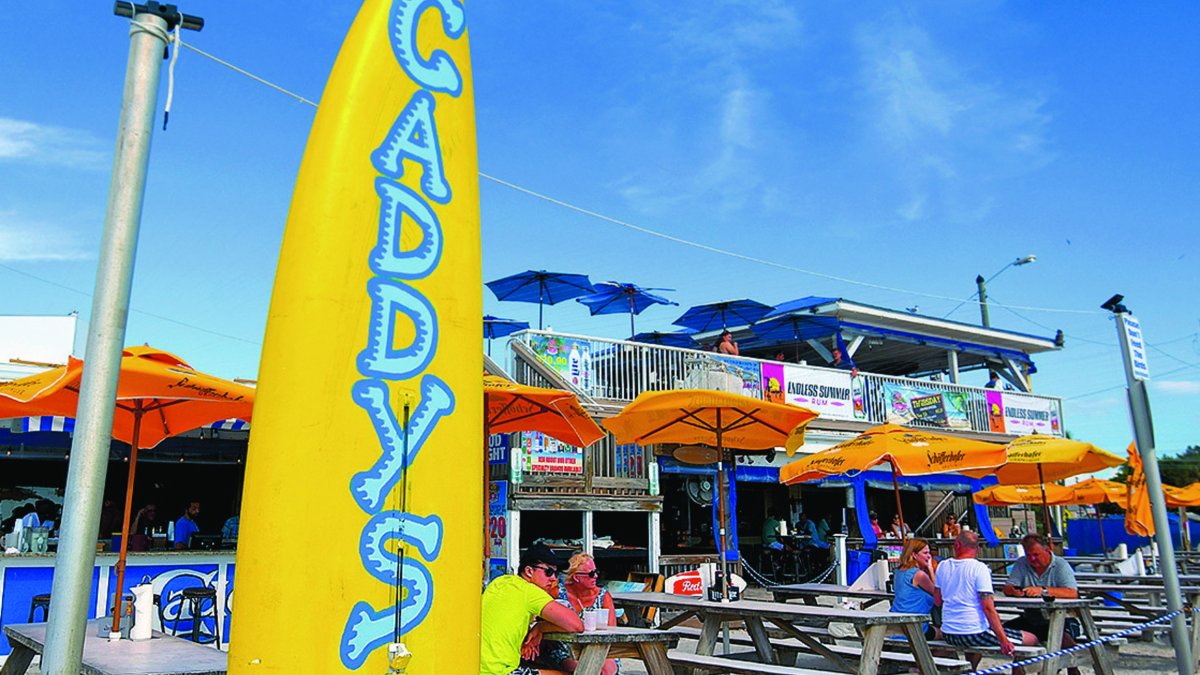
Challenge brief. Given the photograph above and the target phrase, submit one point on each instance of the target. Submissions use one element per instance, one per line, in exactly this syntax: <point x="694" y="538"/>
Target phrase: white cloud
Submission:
<point x="1176" y="387"/>
<point x="25" y="141"/>
<point x="26" y="241"/>
<point x="949" y="126"/>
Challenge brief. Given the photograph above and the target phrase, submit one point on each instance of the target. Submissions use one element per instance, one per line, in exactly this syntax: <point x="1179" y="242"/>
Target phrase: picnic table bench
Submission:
<point x="754" y="615"/>
<point x="619" y="642"/>
<point x="787" y="649"/>
<point x="162" y="654"/>
<point x="1056" y="611"/>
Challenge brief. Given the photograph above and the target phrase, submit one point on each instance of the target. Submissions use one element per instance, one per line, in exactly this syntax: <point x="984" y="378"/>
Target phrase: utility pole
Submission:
<point x="981" y="284"/>
<point x="1133" y="352"/>
<point x="76" y="559"/>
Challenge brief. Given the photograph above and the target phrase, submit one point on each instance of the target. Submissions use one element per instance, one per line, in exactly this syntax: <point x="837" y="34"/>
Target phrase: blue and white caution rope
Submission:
<point x="1079" y="647"/>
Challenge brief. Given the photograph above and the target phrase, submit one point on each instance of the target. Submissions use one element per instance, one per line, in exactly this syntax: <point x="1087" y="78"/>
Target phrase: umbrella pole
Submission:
<point x="1100" y="522"/>
<point x="722" y="513"/>
<point x="631" y="329"/>
<point x="133" y="453"/>
<point x="899" y="507"/>
<point x="1045" y="507"/>
<point x="541" y="299"/>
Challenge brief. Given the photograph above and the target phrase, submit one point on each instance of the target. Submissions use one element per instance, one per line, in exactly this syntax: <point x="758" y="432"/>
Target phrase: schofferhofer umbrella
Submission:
<point x="717" y="419"/>
<point x="911" y="452"/>
<point x="158" y="396"/>
<point x="516" y="407"/>
<point x="510" y="407"/>
<point x="1037" y="460"/>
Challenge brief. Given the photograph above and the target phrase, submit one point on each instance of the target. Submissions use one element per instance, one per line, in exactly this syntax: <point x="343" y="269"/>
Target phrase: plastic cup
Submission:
<point x="589" y="620"/>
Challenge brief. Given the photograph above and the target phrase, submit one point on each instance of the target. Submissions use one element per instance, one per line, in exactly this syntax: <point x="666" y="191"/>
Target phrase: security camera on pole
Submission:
<point x="1133" y="351"/>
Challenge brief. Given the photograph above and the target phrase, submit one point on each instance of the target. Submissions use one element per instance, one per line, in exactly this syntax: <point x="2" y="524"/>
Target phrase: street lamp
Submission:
<point x="982" y="284"/>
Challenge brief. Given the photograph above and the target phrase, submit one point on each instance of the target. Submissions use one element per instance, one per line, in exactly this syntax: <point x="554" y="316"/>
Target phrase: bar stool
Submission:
<point x="196" y="598"/>
<point x="43" y="601"/>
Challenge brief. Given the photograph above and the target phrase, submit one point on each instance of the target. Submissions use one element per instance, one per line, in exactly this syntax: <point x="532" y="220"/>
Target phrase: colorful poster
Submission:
<point x="824" y="391"/>
<point x="497" y="518"/>
<point x="498" y="449"/>
<point x="570" y="358"/>
<point x="746" y="370"/>
<point x="542" y="454"/>
<point x="1021" y="414"/>
<point x="906" y="403"/>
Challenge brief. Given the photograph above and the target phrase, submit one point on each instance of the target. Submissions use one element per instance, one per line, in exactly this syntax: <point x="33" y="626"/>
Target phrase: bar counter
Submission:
<point x="26" y="575"/>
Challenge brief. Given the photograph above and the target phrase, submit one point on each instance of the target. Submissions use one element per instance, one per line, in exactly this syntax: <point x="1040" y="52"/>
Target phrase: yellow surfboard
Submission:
<point x="363" y="466"/>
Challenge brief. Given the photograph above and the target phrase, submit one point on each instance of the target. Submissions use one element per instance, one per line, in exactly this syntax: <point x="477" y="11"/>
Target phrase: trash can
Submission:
<point x="857" y="562"/>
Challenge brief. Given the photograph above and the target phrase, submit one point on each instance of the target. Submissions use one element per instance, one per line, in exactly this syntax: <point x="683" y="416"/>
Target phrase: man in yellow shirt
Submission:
<point x="511" y="602"/>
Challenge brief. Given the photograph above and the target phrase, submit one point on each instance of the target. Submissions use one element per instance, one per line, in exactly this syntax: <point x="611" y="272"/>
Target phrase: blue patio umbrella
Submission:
<point x="795" y="328"/>
<point x="612" y="297"/>
<point x="542" y="287"/>
<point x="721" y="315"/>
<point x="494" y="327"/>
<point x="675" y="339"/>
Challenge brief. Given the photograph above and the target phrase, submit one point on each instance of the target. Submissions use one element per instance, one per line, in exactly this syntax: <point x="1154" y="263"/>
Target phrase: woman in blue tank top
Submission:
<point x="913" y="582"/>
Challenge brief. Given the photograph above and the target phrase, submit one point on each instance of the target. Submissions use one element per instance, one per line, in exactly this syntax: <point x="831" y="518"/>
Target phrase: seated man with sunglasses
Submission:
<point x="511" y="602"/>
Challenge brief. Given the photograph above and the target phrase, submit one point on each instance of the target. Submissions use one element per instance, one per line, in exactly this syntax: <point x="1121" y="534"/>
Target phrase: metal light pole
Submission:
<point x="981" y="284"/>
<point x="1133" y="352"/>
<point x="88" y="465"/>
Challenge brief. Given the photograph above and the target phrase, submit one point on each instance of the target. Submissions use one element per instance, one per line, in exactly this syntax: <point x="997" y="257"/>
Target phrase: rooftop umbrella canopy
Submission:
<point x="1003" y="495"/>
<point x="675" y="339"/>
<point x="540" y="286"/>
<point x="704" y="417"/>
<point x="513" y="407"/>
<point x="159" y="387"/>
<point x="911" y="452"/>
<point x="1046" y="459"/>
<point x="495" y="327"/>
<point x="612" y="297"/>
<point x="721" y="315"/>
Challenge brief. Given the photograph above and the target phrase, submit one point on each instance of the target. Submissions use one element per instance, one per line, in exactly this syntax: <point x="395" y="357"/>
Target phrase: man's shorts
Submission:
<point x="1040" y="626"/>
<point x="525" y="670"/>
<point x="985" y="639"/>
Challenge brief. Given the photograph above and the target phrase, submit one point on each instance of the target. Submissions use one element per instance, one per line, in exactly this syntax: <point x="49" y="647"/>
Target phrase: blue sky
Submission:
<point x="904" y="146"/>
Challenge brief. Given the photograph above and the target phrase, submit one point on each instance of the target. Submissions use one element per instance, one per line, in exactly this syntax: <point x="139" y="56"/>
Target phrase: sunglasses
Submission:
<point x="593" y="574"/>
<point x="548" y="571"/>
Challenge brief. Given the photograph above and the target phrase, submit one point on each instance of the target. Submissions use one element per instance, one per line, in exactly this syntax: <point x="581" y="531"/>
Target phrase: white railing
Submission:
<point x="618" y="370"/>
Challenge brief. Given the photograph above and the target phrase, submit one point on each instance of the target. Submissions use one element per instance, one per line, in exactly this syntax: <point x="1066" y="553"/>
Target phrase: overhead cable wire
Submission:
<point x="662" y="235"/>
<point x="160" y="317"/>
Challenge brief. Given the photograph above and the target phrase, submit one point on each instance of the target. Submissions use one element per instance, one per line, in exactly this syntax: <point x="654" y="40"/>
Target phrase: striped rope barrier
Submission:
<point x="1081" y="646"/>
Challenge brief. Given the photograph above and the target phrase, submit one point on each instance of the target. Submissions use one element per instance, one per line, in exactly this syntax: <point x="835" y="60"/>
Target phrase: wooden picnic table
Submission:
<point x="162" y="654"/>
<point x="1057" y="611"/>
<point x="619" y="642"/>
<point x="873" y="626"/>
<point x="810" y="592"/>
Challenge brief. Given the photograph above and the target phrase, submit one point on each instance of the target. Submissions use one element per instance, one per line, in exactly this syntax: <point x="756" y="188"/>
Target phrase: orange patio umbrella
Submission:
<point x="517" y="407"/>
<point x="1003" y="495"/>
<point x="717" y="419"/>
<point x="1138" y="517"/>
<point x="158" y="396"/>
<point x="1038" y="460"/>
<point x="511" y="407"/>
<point x="911" y="452"/>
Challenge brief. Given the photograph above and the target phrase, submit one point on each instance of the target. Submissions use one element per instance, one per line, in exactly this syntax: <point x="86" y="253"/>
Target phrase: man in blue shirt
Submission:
<point x="186" y="526"/>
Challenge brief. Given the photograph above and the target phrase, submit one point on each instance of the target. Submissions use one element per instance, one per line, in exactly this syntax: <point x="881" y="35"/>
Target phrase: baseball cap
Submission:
<point x="538" y="554"/>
